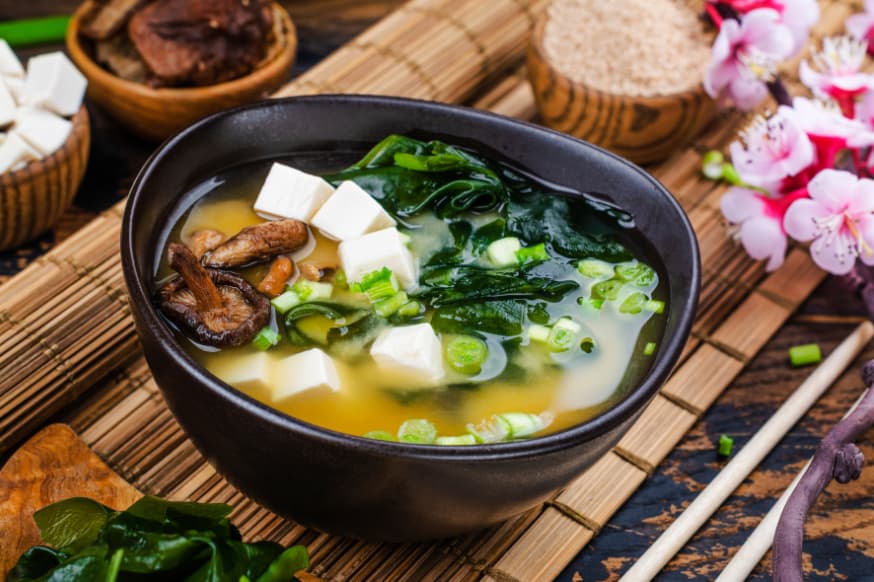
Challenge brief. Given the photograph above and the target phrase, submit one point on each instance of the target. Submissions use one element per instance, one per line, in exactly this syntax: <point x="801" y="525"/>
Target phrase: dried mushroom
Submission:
<point x="258" y="244"/>
<point x="201" y="42"/>
<point x="316" y="272"/>
<point x="212" y="307"/>
<point x="105" y="18"/>
<point x="203" y="241"/>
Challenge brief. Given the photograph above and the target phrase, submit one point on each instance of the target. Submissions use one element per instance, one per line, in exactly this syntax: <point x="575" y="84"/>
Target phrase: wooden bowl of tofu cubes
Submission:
<point x="44" y="143"/>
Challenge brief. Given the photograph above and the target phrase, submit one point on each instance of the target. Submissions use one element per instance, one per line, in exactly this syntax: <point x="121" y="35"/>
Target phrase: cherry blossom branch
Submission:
<point x="837" y="457"/>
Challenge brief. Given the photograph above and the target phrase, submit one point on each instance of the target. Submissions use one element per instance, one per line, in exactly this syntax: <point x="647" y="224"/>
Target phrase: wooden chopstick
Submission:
<point x="748" y="458"/>
<point x="760" y="541"/>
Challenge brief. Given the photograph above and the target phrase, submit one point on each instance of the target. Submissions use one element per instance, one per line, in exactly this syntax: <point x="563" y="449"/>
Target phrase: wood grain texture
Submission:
<point x="156" y="114"/>
<point x="53" y="465"/>
<point x="642" y="129"/>
<point x="33" y="198"/>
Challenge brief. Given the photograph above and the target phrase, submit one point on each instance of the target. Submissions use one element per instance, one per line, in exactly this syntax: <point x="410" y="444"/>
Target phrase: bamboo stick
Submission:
<point x="733" y="474"/>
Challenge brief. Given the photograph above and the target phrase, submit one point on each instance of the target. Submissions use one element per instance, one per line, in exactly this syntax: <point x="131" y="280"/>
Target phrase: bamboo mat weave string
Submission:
<point x="77" y="352"/>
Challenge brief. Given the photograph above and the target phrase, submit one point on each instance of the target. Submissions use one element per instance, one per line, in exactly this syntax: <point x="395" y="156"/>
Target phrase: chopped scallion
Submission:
<point x="502" y="252"/>
<point x="587" y="345"/>
<point x="390" y="305"/>
<point x="535" y="254"/>
<point x="313" y="290"/>
<point x="649" y="349"/>
<point x="493" y="430"/>
<point x="655" y="306"/>
<point x="266" y="339"/>
<point x="464" y="439"/>
<point x="726" y="443"/>
<point x="410" y="309"/>
<point x="377" y="285"/>
<point x="522" y="424"/>
<point x="417" y="431"/>
<point x="633" y="303"/>
<point x="380" y="435"/>
<point x="564" y="335"/>
<point x="805" y="354"/>
<point x="711" y="165"/>
<point x="591" y="303"/>
<point x="595" y="269"/>
<point x="284" y="302"/>
<point x="466" y="354"/>
<point x="608" y="289"/>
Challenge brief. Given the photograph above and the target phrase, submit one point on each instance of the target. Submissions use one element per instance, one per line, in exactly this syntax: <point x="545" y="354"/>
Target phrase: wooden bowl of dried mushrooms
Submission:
<point x="159" y="65"/>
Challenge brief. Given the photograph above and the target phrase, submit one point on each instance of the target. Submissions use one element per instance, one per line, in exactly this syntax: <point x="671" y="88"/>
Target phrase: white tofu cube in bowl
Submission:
<point x="43" y="130"/>
<point x="375" y="250"/>
<point x="312" y="369"/>
<point x="53" y="82"/>
<point x="413" y="352"/>
<point x="289" y="193"/>
<point x="350" y="213"/>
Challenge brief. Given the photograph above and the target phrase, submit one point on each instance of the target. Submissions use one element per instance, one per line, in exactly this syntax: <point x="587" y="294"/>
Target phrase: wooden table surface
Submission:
<point x="840" y="533"/>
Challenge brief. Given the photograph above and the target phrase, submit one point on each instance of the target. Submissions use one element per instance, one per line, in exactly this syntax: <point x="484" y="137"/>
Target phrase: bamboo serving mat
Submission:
<point x="75" y="356"/>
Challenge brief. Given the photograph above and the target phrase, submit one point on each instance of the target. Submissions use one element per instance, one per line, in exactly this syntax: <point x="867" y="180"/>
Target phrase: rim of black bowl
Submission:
<point x="636" y="397"/>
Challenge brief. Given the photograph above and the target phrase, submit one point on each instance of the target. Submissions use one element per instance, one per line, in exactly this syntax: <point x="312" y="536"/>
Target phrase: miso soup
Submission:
<point x="425" y="294"/>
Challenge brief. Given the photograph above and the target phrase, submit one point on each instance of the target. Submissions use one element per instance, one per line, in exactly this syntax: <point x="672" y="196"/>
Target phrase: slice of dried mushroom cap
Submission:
<point x="212" y="307"/>
<point x="315" y="272"/>
<point x="259" y="243"/>
<point x="203" y="241"/>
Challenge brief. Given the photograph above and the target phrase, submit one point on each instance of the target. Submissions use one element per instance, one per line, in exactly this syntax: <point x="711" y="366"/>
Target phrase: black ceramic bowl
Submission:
<point x="354" y="486"/>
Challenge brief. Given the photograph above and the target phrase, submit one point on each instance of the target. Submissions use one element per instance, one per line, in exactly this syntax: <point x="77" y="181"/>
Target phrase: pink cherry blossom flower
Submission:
<point x="861" y="26"/>
<point x="839" y="219"/>
<point x="772" y="150"/>
<point x="745" y="56"/>
<point x="829" y="130"/>
<point x="758" y="222"/>
<point x="837" y="74"/>
<point x="799" y="16"/>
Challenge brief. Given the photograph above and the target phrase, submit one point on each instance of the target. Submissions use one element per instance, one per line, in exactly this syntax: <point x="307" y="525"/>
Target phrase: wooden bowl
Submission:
<point x="34" y="197"/>
<point x="641" y="129"/>
<point x="156" y="114"/>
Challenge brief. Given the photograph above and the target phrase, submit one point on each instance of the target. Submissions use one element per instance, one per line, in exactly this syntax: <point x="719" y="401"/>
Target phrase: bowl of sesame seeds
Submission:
<point x="625" y="75"/>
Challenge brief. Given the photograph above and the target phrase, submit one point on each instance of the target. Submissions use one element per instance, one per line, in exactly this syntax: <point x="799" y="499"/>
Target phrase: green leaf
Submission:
<point x="468" y="283"/>
<point x="35" y="563"/>
<point x="89" y="565"/>
<point x="576" y="230"/>
<point x="283" y="569"/>
<point x="345" y="319"/>
<point x="71" y="524"/>
<point x="498" y="317"/>
<point x="157" y="509"/>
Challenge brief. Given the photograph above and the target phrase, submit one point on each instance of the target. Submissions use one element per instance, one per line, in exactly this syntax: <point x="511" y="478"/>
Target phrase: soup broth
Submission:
<point x="551" y="327"/>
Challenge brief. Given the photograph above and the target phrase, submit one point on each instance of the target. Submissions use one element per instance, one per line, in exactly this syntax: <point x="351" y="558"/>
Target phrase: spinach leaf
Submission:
<point x="575" y="230"/>
<point x="471" y="283"/>
<point x="35" y="563"/>
<point x="407" y="175"/>
<point x="72" y="524"/>
<point x="289" y="562"/>
<point x="498" y="317"/>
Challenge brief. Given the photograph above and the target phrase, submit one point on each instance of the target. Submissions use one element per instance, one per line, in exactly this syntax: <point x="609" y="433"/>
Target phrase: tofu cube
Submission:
<point x="309" y="370"/>
<point x="8" y="105"/>
<point x="15" y="152"/>
<point x="373" y="251"/>
<point x="10" y="66"/>
<point x="43" y="130"/>
<point x="412" y="351"/>
<point x="351" y="212"/>
<point x="290" y="193"/>
<point x="15" y="86"/>
<point x="251" y="372"/>
<point x="54" y="83"/>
